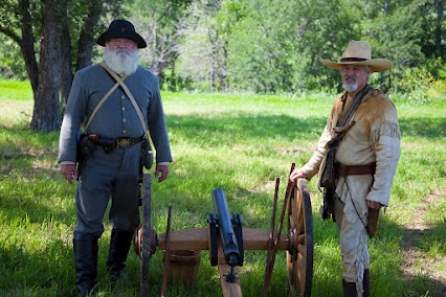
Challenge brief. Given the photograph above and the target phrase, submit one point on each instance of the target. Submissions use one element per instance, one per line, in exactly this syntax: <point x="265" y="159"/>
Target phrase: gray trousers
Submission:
<point x="105" y="176"/>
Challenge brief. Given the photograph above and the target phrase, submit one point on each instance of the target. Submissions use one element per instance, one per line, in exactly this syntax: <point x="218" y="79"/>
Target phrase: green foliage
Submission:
<point x="437" y="90"/>
<point x="433" y="24"/>
<point x="257" y="58"/>
<point x="10" y="65"/>
<point x="161" y="24"/>
<point x="11" y="59"/>
<point x="251" y="45"/>
<point x="263" y="46"/>
<point x="275" y="46"/>
<point x="416" y="82"/>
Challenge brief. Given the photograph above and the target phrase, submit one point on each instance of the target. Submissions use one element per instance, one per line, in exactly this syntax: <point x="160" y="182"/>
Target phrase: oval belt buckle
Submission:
<point x="124" y="142"/>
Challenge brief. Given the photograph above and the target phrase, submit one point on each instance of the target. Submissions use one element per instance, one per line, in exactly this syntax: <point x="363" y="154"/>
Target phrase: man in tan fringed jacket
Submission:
<point x="365" y="160"/>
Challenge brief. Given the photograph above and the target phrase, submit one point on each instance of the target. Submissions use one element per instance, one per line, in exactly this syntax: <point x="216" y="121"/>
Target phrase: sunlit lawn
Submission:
<point x="239" y="142"/>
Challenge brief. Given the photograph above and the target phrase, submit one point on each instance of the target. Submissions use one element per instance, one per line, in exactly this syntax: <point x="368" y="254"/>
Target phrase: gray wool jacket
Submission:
<point x="117" y="117"/>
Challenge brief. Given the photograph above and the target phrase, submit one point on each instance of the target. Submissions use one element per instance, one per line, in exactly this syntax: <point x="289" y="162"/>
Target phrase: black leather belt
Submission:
<point x="109" y="144"/>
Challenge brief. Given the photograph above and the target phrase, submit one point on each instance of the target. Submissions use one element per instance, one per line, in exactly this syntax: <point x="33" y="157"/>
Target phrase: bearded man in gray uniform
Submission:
<point x="361" y="141"/>
<point x="115" y="118"/>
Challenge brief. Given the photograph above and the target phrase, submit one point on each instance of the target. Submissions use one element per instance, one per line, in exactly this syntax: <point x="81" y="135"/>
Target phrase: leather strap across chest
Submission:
<point x="345" y="120"/>
<point x="119" y="83"/>
<point x="128" y="93"/>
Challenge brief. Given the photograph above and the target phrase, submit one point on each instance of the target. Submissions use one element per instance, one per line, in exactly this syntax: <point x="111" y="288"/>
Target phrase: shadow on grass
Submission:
<point x="252" y="127"/>
<point x="387" y="277"/>
<point x="227" y="128"/>
<point x="52" y="269"/>
<point x="50" y="272"/>
<point x="17" y="210"/>
<point x="432" y="127"/>
<point x="415" y="242"/>
<point x="47" y="270"/>
<point x="220" y="129"/>
<point x="20" y="132"/>
<point x="416" y="281"/>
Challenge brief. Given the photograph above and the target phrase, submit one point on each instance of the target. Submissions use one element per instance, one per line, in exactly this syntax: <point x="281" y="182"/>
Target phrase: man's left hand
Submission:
<point x="161" y="171"/>
<point x="373" y="204"/>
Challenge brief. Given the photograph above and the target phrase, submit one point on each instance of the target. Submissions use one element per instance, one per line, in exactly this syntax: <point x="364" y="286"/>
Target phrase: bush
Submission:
<point x="415" y="82"/>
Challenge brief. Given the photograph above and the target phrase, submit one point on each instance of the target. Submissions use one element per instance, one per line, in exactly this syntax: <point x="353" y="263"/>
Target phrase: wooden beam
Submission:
<point x="228" y="289"/>
<point x="197" y="239"/>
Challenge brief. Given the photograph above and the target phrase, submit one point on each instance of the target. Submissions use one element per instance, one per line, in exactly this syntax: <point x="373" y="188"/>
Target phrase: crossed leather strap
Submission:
<point x="119" y="83"/>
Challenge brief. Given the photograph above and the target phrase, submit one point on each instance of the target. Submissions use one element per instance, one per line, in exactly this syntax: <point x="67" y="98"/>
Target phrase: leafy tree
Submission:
<point x="203" y="50"/>
<point x="258" y="45"/>
<point x="162" y="24"/>
<point x="277" y="45"/>
<point x="47" y="29"/>
<point x="393" y="28"/>
<point x="10" y="66"/>
<point x="195" y="55"/>
<point x="433" y="24"/>
<point x="271" y="45"/>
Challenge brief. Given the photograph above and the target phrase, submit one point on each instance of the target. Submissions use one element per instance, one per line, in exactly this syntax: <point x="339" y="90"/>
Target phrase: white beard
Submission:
<point x="350" y="87"/>
<point x="121" y="61"/>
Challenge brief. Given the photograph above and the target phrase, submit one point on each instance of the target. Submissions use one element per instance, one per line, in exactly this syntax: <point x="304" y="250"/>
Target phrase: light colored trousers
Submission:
<point x="351" y="218"/>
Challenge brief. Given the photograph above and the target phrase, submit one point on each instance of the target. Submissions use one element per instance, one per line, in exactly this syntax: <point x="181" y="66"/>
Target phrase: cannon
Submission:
<point x="227" y="239"/>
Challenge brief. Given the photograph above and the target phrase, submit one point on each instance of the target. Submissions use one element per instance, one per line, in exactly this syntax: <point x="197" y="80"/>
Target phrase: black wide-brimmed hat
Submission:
<point x="121" y="29"/>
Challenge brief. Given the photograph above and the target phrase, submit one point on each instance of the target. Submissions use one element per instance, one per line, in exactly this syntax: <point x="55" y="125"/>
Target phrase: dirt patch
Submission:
<point x="415" y="262"/>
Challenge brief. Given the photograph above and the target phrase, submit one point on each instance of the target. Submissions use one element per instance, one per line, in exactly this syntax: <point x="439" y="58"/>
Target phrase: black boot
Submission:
<point x="366" y="283"/>
<point x="85" y="258"/>
<point x="349" y="289"/>
<point x="120" y="242"/>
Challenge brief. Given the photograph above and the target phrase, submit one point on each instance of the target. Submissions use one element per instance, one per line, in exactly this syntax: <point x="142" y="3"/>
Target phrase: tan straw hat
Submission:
<point x="359" y="53"/>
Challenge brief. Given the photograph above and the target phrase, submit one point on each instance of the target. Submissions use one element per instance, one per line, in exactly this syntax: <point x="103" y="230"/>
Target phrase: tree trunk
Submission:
<point x="439" y="29"/>
<point x="213" y="71"/>
<point x="66" y="73"/>
<point x="173" y="78"/>
<point x="158" y="67"/>
<point x="47" y="111"/>
<point x="223" y="75"/>
<point x="27" y="46"/>
<point x="86" y="37"/>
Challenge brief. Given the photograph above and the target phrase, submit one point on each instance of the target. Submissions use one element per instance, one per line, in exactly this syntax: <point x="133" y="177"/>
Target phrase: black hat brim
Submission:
<point x="107" y="35"/>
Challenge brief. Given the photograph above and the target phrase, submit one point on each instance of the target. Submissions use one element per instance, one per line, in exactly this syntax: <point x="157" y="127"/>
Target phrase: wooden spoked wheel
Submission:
<point x="300" y="231"/>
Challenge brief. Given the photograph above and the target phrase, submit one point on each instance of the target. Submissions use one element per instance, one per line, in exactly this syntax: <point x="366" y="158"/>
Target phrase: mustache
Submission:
<point x="122" y="52"/>
<point x="350" y="77"/>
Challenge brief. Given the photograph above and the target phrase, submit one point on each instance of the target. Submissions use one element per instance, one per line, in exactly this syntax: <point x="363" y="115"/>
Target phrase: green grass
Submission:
<point x="240" y="142"/>
<point x="15" y="89"/>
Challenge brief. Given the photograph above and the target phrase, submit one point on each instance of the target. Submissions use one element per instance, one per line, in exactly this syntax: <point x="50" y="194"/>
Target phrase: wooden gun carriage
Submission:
<point x="227" y="239"/>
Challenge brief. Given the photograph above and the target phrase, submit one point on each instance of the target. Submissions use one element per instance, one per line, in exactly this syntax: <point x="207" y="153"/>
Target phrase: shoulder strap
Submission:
<point x="120" y="82"/>
<point x="344" y="124"/>
<point x="353" y="107"/>
<point x="99" y="105"/>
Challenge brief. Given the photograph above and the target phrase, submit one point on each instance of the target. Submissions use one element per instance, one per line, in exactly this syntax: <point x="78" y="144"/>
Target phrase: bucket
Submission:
<point x="184" y="267"/>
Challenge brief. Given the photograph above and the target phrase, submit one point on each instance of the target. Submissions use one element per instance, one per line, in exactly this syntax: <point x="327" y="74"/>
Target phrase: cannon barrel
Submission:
<point x="229" y="241"/>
